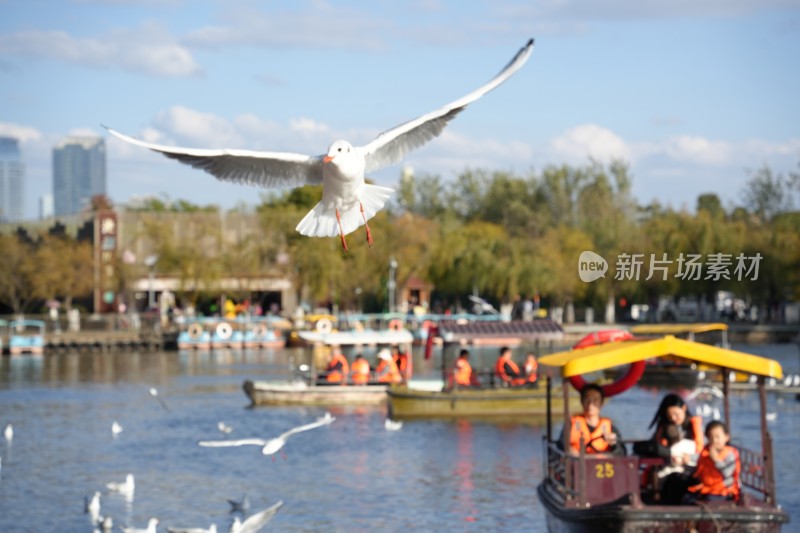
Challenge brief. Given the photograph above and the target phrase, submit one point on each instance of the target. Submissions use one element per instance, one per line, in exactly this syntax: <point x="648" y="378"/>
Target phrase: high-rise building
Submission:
<point x="79" y="172"/>
<point x="45" y="206"/>
<point x="12" y="181"/>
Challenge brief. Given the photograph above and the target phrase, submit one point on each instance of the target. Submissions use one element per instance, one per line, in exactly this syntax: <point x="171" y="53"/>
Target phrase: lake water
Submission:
<point x="350" y="476"/>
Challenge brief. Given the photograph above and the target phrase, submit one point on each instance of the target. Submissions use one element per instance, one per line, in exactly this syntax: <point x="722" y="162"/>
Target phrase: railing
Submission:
<point x="555" y="464"/>
<point x="753" y="474"/>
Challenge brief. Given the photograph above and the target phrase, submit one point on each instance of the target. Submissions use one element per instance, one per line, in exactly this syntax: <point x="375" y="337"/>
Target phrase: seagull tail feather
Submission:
<point x="321" y="220"/>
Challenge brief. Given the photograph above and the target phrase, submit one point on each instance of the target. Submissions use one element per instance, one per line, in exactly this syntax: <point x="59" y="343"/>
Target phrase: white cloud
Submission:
<point x="147" y="49"/>
<point x="590" y="140"/>
<point x="318" y="25"/>
<point x="24" y="133"/>
<point x="205" y="130"/>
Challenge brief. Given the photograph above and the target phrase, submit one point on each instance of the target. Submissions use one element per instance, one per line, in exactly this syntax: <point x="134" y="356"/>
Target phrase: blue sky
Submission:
<point x="693" y="94"/>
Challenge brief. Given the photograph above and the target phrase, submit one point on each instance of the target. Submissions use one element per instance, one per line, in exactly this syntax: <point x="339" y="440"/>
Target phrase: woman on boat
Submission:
<point x="599" y="434"/>
<point x="672" y="410"/>
<point x="507" y="370"/>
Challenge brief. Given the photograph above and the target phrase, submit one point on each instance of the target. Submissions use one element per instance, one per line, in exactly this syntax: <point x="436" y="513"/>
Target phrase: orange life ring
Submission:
<point x="396" y="324"/>
<point x="635" y="370"/>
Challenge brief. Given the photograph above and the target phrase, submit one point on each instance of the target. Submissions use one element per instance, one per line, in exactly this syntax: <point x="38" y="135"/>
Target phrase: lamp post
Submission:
<point x="150" y="261"/>
<point x="392" y="284"/>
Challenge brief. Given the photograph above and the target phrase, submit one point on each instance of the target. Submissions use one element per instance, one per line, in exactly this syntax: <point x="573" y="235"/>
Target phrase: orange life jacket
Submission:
<point x="711" y="479"/>
<point x="531" y="367"/>
<point x="359" y="371"/>
<point x="387" y="372"/>
<point x="463" y="373"/>
<point x="402" y="364"/>
<point x="500" y="370"/>
<point x="593" y="440"/>
<point x="337" y="369"/>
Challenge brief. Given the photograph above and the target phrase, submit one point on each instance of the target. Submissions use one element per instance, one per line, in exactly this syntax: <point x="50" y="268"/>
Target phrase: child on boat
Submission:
<point x="683" y="451"/>
<point x="718" y="468"/>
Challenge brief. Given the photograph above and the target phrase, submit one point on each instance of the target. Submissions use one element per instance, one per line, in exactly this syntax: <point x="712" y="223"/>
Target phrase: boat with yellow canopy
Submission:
<point x="671" y="373"/>
<point x="590" y="493"/>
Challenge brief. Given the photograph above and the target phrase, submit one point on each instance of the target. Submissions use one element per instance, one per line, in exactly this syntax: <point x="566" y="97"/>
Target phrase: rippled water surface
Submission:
<point x="350" y="476"/>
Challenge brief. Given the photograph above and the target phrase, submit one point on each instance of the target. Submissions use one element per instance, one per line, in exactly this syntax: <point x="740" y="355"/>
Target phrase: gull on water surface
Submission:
<point x="92" y="506"/>
<point x="211" y="529"/>
<point x="151" y="527"/>
<point x="270" y="446"/>
<point x="8" y="433"/>
<point x="126" y="487"/>
<point x="116" y="429"/>
<point x="347" y="201"/>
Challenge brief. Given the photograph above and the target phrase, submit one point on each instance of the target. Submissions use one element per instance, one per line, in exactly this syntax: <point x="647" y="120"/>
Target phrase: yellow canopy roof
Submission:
<point x="677" y="329"/>
<point x="583" y="361"/>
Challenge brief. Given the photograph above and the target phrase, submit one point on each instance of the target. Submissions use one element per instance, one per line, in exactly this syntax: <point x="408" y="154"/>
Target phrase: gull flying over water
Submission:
<point x="154" y="394"/>
<point x="271" y="446"/>
<point x="256" y="521"/>
<point x="347" y="201"/>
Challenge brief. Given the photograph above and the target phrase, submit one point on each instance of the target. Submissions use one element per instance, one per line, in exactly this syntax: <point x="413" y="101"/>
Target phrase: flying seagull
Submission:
<point x="154" y="393"/>
<point x="271" y="446"/>
<point x="256" y="521"/>
<point x="347" y="201"/>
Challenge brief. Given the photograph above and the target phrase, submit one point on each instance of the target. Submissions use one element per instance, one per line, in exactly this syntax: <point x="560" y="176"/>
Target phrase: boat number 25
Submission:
<point x="604" y="470"/>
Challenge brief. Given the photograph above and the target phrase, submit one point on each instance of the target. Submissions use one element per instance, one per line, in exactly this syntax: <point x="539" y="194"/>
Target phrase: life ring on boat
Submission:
<point x="324" y="325"/>
<point x="195" y="331"/>
<point x="396" y="324"/>
<point x="224" y="330"/>
<point x="635" y="370"/>
<point x="260" y="331"/>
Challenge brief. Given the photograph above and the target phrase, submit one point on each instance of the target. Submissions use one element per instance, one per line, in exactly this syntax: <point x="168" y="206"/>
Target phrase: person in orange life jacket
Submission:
<point x="401" y="360"/>
<point x="672" y="410"/>
<point x="337" y="370"/>
<point x="599" y="434"/>
<point x="463" y="375"/>
<point x="531" y="368"/>
<point x="718" y="468"/>
<point x="507" y="370"/>
<point x="359" y="371"/>
<point x="387" y="371"/>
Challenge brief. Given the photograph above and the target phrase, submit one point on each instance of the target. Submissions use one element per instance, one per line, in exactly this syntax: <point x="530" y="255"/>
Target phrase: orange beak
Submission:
<point x="327" y="159"/>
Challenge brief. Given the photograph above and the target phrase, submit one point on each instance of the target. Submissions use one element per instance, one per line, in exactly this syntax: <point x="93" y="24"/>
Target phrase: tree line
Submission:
<point x="496" y="234"/>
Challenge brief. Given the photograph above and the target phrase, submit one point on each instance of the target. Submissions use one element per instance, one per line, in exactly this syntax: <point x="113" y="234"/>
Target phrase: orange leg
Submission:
<point x="369" y="233"/>
<point x="341" y="231"/>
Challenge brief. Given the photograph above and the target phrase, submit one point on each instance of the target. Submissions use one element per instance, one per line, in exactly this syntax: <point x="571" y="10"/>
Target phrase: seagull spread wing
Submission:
<point x="256" y="521"/>
<point x="324" y="421"/>
<point x="390" y="146"/>
<point x="265" y="169"/>
<point x="227" y="443"/>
